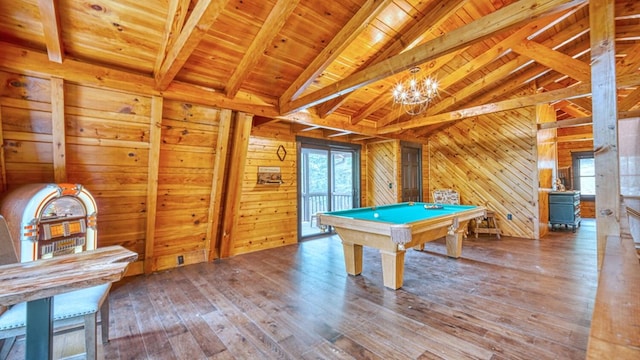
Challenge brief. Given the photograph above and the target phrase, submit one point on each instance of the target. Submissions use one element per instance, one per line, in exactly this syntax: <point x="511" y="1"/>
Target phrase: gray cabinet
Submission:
<point x="564" y="208"/>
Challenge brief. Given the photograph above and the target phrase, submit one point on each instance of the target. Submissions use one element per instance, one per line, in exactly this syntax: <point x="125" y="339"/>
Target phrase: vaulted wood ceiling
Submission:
<point x="332" y="64"/>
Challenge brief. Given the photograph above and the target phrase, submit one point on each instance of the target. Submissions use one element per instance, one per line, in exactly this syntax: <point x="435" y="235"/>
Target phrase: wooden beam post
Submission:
<point x="217" y="185"/>
<point x="58" y="138"/>
<point x="240" y="146"/>
<point x="2" y="165"/>
<point x="605" y="127"/>
<point x="155" y="130"/>
<point x="50" y="18"/>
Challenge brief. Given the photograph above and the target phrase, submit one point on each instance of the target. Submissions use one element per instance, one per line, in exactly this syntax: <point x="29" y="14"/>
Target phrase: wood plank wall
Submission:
<point x="109" y="150"/>
<point x="107" y="136"/>
<point x="26" y="129"/>
<point x="113" y="139"/>
<point x="491" y="161"/>
<point x="576" y="139"/>
<point x="268" y="213"/>
<point x="381" y="169"/>
<point x="185" y="173"/>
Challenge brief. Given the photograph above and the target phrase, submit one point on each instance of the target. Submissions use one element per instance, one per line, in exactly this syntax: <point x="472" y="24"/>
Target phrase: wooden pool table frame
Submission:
<point x="356" y="233"/>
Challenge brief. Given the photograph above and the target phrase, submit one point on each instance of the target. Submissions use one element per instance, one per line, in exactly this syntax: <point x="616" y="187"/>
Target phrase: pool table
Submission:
<point x="393" y="228"/>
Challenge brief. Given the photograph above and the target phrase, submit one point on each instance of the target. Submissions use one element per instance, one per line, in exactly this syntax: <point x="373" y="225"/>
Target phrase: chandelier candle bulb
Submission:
<point x="415" y="94"/>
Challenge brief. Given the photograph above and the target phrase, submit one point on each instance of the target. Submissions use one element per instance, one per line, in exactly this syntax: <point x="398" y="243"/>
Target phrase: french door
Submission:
<point x="328" y="181"/>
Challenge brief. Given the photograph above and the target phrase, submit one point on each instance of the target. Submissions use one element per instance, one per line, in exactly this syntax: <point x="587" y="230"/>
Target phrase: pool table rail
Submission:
<point x="356" y="233"/>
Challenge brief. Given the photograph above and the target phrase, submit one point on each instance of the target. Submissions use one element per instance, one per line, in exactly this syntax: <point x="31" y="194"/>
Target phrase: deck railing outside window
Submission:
<point x="314" y="203"/>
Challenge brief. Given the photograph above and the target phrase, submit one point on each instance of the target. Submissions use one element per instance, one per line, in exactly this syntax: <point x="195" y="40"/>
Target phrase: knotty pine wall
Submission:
<point x="156" y="167"/>
<point x="576" y="139"/>
<point x="381" y="169"/>
<point x="547" y="164"/>
<point x="146" y="157"/>
<point x="104" y="144"/>
<point x="268" y="213"/>
<point x="491" y="160"/>
<point x="186" y="166"/>
<point x="382" y="166"/>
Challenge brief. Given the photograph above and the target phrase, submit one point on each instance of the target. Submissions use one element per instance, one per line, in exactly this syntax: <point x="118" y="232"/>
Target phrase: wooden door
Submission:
<point x="411" y="173"/>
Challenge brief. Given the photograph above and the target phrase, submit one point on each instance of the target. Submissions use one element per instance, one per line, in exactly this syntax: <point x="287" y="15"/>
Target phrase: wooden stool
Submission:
<point x="492" y="225"/>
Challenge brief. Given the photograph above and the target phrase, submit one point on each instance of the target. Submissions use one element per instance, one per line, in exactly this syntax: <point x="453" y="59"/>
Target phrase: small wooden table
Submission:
<point x="36" y="282"/>
<point x="492" y="225"/>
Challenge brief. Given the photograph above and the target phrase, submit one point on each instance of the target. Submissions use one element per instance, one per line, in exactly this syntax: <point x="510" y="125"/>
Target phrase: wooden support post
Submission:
<point x="58" y="130"/>
<point x="3" y="168"/>
<point x="240" y="146"/>
<point x="155" y="130"/>
<point x="217" y="185"/>
<point x="605" y="127"/>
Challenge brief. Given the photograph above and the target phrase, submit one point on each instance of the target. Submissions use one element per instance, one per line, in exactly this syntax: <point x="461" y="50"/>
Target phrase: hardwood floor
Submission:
<point x="504" y="299"/>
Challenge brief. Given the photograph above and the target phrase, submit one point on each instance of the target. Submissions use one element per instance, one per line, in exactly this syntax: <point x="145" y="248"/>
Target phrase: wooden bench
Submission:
<point x="616" y="314"/>
<point x="70" y="310"/>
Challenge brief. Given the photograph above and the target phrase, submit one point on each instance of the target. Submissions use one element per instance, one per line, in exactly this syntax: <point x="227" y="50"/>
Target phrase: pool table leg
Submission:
<point x="454" y="243"/>
<point x="392" y="268"/>
<point x="352" y="258"/>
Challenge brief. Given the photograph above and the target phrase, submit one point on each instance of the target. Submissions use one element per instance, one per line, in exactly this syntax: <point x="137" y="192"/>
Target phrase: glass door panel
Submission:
<point x="329" y="179"/>
<point x="342" y="188"/>
<point x="315" y="188"/>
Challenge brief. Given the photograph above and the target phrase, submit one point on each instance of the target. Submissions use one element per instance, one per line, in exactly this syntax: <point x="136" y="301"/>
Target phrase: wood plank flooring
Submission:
<point x="504" y="299"/>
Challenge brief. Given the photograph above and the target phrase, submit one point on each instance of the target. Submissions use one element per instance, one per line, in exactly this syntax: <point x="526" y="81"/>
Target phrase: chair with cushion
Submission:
<point x="70" y="310"/>
<point x="446" y="196"/>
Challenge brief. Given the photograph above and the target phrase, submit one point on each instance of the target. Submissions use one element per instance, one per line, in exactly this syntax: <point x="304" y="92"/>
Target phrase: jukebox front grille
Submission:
<point x="60" y="247"/>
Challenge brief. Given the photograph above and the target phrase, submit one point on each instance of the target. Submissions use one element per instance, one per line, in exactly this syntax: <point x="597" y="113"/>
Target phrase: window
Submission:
<point x="584" y="177"/>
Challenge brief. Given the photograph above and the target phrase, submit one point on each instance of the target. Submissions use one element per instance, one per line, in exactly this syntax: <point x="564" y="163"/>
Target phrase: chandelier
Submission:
<point x="415" y="94"/>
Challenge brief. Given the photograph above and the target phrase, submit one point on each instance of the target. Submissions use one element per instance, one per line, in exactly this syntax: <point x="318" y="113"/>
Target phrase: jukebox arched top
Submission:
<point x="46" y="220"/>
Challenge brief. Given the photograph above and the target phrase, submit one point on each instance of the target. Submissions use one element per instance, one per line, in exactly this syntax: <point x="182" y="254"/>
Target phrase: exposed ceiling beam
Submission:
<point x="200" y="20"/>
<point x="586" y="120"/>
<point x="570" y="109"/>
<point x="305" y="128"/>
<point x="555" y="60"/>
<point x="410" y="36"/>
<point x="627" y="9"/>
<point x="336" y="122"/>
<point x="536" y="73"/>
<point x="385" y="99"/>
<point x="580" y="90"/>
<point x="336" y="134"/>
<point x="177" y="13"/>
<point x="261" y="120"/>
<point x="630" y="101"/>
<point x="270" y="29"/>
<point x="528" y="31"/>
<point x="487" y="26"/>
<point x="629" y="63"/>
<point x="362" y="138"/>
<point x="493" y="78"/>
<point x="345" y="36"/>
<point x="52" y="32"/>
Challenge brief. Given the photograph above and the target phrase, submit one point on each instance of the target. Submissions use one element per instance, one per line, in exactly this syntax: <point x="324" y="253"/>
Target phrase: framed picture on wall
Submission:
<point x="269" y="175"/>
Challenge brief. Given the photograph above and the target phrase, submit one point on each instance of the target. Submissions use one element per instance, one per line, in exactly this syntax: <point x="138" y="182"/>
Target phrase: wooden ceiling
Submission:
<point x="332" y="64"/>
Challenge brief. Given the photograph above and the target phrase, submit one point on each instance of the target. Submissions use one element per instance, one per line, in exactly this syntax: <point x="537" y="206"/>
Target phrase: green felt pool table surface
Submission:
<point x="402" y="213"/>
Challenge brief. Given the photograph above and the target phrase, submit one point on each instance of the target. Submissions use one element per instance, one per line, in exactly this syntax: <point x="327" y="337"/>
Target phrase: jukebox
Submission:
<point x="47" y="220"/>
